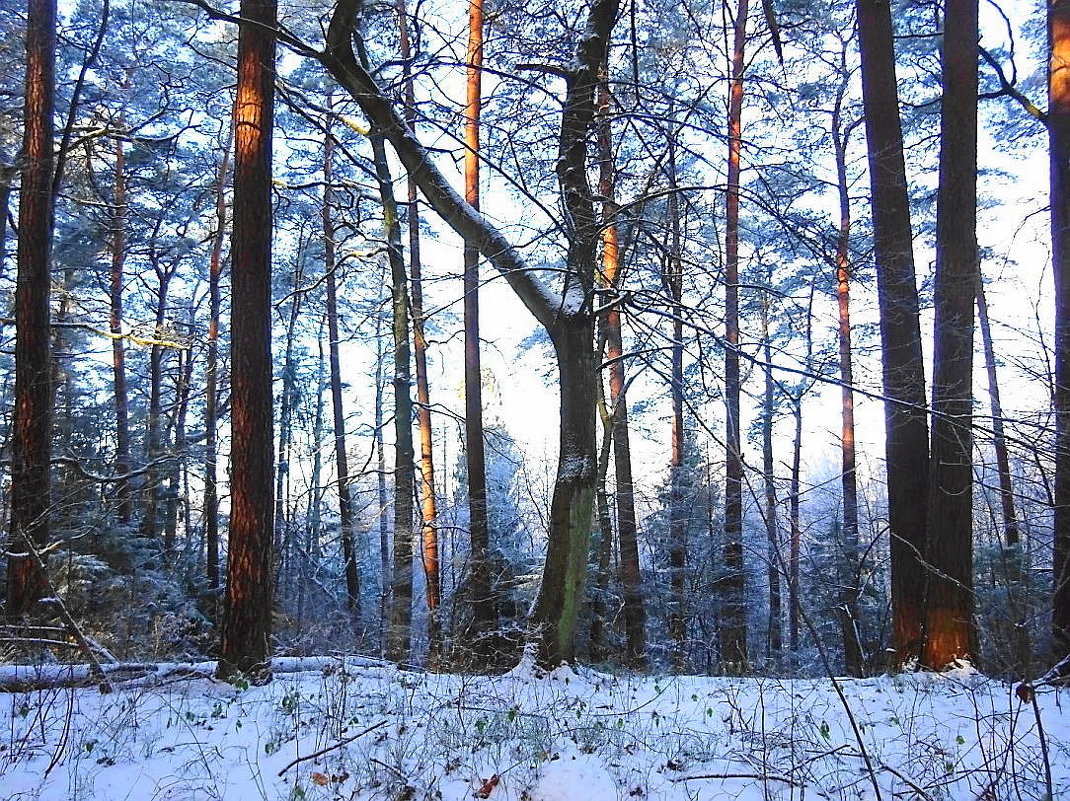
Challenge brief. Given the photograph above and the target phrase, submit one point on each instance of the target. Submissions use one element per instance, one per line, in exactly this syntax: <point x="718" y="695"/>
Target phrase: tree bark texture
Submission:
<point x="907" y="430"/>
<point x="566" y="316"/>
<point x="627" y="528"/>
<point x="32" y="422"/>
<point x="246" y="645"/>
<point x="949" y="631"/>
<point x="733" y="631"/>
<point x="428" y="499"/>
<point x="123" y="505"/>
<point x="475" y="458"/>
<point x="345" y="491"/>
<point x="1059" y="158"/>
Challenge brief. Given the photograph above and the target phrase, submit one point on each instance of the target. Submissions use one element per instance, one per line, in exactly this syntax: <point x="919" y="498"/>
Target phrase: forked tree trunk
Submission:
<point x="907" y="438"/>
<point x="32" y="421"/>
<point x="566" y="315"/>
<point x="949" y="630"/>
<point x="733" y="631"/>
<point x="627" y="536"/>
<point x="246" y="640"/>
<point x="428" y="500"/>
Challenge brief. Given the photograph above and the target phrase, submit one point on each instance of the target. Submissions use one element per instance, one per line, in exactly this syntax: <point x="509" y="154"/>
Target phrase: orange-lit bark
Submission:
<point x="480" y="582"/>
<point x="848" y="602"/>
<point x="733" y="631"/>
<point x="949" y="631"/>
<point x="634" y="608"/>
<point x="1059" y="157"/>
<point x="246" y="646"/>
<point x="32" y="422"/>
<point x="428" y="501"/>
<point x="907" y="437"/>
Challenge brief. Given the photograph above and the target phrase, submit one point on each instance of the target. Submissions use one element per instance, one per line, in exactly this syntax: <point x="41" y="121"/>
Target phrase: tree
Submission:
<point x="483" y="604"/>
<point x="733" y="632"/>
<point x="32" y="425"/>
<point x="341" y="457"/>
<point x="906" y="425"/>
<point x="568" y="316"/>
<point x="429" y="503"/>
<point x="1059" y="157"/>
<point x="246" y="646"/>
<point x="634" y="609"/>
<point x="949" y="632"/>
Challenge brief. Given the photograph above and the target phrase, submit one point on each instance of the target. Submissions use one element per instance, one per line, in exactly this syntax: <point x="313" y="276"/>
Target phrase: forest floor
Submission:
<point x="355" y="729"/>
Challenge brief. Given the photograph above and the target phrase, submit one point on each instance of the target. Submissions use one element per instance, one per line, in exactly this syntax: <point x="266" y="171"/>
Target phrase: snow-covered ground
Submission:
<point x="352" y="729"/>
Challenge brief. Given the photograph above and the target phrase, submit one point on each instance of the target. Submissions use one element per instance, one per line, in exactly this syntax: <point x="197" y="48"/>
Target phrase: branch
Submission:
<point x="339" y="59"/>
<point x="336" y="746"/>
<point x="1009" y="89"/>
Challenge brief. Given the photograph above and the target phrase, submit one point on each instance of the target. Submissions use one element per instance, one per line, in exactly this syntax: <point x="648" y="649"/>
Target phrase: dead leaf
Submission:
<point x="320" y="779"/>
<point x="488" y="786"/>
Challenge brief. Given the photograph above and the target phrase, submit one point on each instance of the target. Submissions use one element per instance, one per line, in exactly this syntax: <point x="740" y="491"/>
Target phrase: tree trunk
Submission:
<point x="124" y="507"/>
<point x="566" y="315"/>
<point x="211" y="375"/>
<point x="428" y="501"/>
<point x="733" y="633"/>
<point x="772" y="534"/>
<point x="1017" y="600"/>
<point x="794" y="515"/>
<point x="341" y="457"/>
<point x="1059" y="157"/>
<point x="399" y="629"/>
<point x="627" y="534"/>
<point x="949" y="631"/>
<point x="564" y="575"/>
<point x="32" y="420"/>
<point x="907" y="438"/>
<point x="852" y="575"/>
<point x="246" y="640"/>
<point x="480" y="581"/>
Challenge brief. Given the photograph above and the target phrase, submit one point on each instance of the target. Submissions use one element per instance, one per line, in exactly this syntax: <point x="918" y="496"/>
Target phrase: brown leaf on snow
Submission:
<point x="488" y="786"/>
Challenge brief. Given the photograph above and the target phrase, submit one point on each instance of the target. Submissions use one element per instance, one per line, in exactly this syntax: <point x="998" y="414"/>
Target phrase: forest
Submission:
<point x="649" y="336"/>
<point x="542" y="401"/>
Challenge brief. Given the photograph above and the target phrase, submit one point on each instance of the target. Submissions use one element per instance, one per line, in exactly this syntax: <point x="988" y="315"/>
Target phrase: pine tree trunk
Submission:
<point x="124" y="507"/>
<point x="907" y="438"/>
<point x="1012" y="547"/>
<point x="627" y="535"/>
<point x="211" y="375"/>
<point x="1059" y="157"/>
<point x="399" y="628"/>
<point x="480" y="582"/>
<point x="795" y="518"/>
<point x="949" y="630"/>
<point x="246" y="640"/>
<point x="772" y="533"/>
<point x="733" y="633"/>
<point x="341" y="457"/>
<point x="848" y="602"/>
<point x="428" y="500"/>
<point x="32" y="420"/>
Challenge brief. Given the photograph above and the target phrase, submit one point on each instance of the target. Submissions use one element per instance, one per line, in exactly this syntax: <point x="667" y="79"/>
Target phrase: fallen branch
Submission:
<point x="335" y="747"/>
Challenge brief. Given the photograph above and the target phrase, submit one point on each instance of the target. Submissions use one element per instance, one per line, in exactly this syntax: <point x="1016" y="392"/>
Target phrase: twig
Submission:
<point x="336" y="746"/>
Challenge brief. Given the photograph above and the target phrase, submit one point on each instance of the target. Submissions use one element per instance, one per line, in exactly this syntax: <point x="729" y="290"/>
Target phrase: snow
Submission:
<point x="358" y="729"/>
